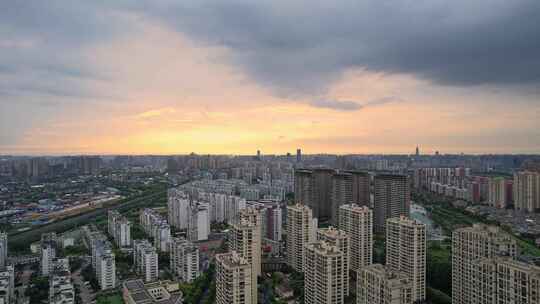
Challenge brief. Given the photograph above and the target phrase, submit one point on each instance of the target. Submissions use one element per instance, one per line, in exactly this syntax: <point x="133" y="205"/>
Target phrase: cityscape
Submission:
<point x="270" y="152"/>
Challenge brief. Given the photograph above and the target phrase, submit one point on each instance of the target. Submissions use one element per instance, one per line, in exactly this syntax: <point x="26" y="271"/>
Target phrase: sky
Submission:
<point x="236" y="76"/>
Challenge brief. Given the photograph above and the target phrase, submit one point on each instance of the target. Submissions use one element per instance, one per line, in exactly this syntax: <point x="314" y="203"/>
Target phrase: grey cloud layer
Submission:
<point x="301" y="46"/>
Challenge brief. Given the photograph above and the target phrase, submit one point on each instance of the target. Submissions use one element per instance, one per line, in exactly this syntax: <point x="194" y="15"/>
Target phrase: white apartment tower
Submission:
<point x="376" y="284"/>
<point x="301" y="230"/>
<point x="468" y="246"/>
<point x="145" y="260"/>
<point x="198" y="222"/>
<point x="341" y="240"/>
<point x="357" y="222"/>
<point x="7" y="284"/>
<point x="325" y="273"/>
<point x="406" y="252"/>
<point x="178" y="208"/>
<point x="233" y="279"/>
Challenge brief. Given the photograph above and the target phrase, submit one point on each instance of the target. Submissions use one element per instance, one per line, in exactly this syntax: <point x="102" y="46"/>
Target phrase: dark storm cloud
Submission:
<point x="301" y="46"/>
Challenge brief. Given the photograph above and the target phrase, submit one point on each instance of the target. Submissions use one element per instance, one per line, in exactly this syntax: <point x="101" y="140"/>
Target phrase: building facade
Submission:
<point x="300" y="231"/>
<point x="391" y="198"/>
<point x="357" y="222"/>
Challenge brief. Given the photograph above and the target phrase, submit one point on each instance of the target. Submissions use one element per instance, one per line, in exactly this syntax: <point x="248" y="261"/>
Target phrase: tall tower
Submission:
<point x="246" y="241"/>
<point x="406" y="252"/>
<point x="361" y="188"/>
<point x="392" y="198"/>
<point x="527" y="191"/>
<point x="325" y="273"/>
<point x="342" y="193"/>
<point x="300" y="231"/>
<point x="470" y="244"/>
<point x="298" y="155"/>
<point x="233" y="279"/>
<point x="357" y="222"/>
<point x="341" y="240"/>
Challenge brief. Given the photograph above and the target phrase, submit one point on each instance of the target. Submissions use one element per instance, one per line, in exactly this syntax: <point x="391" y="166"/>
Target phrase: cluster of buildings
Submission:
<point x="325" y="190"/>
<point x="327" y="256"/>
<point x="486" y="268"/>
<point x="522" y="191"/>
<point x="7" y="275"/>
<point x="157" y="227"/>
<point x="103" y="258"/>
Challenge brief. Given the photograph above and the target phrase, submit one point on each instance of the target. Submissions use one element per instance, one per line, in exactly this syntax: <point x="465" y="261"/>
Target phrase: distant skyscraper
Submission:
<point x="468" y="246"/>
<point x="298" y="155"/>
<point x="417" y="151"/>
<point x="314" y="189"/>
<point x="497" y="192"/>
<point x="300" y="231"/>
<point x="233" y="279"/>
<point x="391" y="198"/>
<point x="325" y="273"/>
<point x="357" y="222"/>
<point x="258" y="154"/>
<point x="406" y="252"/>
<point x="342" y="191"/>
<point x="379" y="285"/>
<point x="361" y="188"/>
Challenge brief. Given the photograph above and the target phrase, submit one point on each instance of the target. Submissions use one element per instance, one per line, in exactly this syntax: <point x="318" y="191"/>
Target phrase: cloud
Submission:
<point x="300" y="47"/>
<point x="347" y="105"/>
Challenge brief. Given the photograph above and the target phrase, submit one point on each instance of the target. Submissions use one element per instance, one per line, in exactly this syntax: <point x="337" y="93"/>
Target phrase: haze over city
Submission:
<point x="231" y="77"/>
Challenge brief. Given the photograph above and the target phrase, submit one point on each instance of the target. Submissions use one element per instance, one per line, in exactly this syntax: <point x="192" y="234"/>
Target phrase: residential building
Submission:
<point x="145" y="260"/>
<point x="61" y="290"/>
<point x="198" y="222"/>
<point x="342" y="193"/>
<point x="157" y="227"/>
<point x="391" y="198"/>
<point x="497" y="192"/>
<point x="119" y="227"/>
<point x="300" y="231"/>
<point x="160" y="292"/>
<point x="7" y="285"/>
<point x="357" y="222"/>
<point x="406" y="252"/>
<point x="233" y="279"/>
<point x="325" y="274"/>
<point x="184" y="259"/>
<point x="47" y="252"/>
<point x="178" y="208"/>
<point x="376" y="284"/>
<point x="341" y="240"/>
<point x="527" y="191"/>
<point x="470" y="244"/>
<point x="3" y="250"/>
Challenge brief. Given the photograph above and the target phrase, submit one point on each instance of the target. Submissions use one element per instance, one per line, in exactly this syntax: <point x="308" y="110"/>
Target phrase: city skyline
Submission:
<point x="165" y="77"/>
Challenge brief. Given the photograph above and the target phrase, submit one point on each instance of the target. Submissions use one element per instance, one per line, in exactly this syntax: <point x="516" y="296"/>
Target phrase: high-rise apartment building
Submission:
<point x="361" y="182"/>
<point x="497" y="192"/>
<point x="47" y="252"/>
<point x="342" y="193"/>
<point x="246" y="241"/>
<point x="157" y="227"/>
<point x="178" y="203"/>
<point x="61" y="290"/>
<point x="341" y="240"/>
<point x="505" y="281"/>
<point x="301" y="227"/>
<point x="391" y="198"/>
<point x="184" y="259"/>
<point x="3" y="250"/>
<point x="406" y="252"/>
<point x="314" y="189"/>
<point x="145" y="260"/>
<point x="119" y="227"/>
<point x="357" y="222"/>
<point x="527" y="191"/>
<point x="325" y="274"/>
<point x="198" y="222"/>
<point x="468" y="246"/>
<point x="106" y="269"/>
<point x="376" y="284"/>
<point x="233" y="279"/>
